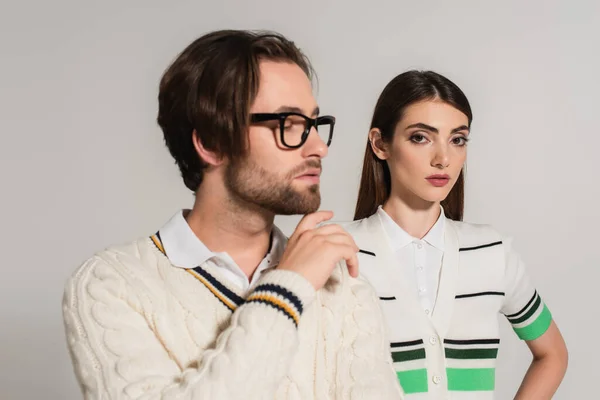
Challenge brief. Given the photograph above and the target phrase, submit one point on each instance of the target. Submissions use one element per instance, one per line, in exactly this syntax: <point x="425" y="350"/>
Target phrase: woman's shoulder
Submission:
<point x="472" y="234"/>
<point x="470" y="227"/>
<point x="355" y="225"/>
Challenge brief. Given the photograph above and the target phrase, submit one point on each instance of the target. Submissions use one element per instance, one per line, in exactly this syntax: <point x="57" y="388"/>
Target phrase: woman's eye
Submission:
<point x="418" y="138"/>
<point x="460" y="140"/>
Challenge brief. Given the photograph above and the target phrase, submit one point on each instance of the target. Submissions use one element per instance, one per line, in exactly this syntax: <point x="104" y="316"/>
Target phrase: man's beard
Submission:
<point x="249" y="182"/>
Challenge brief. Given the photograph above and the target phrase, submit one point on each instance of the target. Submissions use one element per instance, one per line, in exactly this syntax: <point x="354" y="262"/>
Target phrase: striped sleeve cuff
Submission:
<point x="533" y="320"/>
<point x="284" y="291"/>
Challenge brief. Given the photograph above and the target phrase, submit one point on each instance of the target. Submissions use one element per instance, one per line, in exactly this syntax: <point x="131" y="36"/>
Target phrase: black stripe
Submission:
<point x="406" y="344"/>
<point x="483" y="246"/>
<point x="472" y="341"/>
<point x="283" y="292"/>
<point x="463" y="296"/>
<point x="528" y="314"/>
<point x="387" y="298"/>
<point x="524" y="308"/>
<point x="275" y="306"/>
<point x="158" y="236"/>
<point x="370" y="253"/>
<point x="237" y="300"/>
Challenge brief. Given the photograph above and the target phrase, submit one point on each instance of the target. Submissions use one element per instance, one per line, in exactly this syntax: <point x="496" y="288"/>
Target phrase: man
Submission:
<point x="218" y="304"/>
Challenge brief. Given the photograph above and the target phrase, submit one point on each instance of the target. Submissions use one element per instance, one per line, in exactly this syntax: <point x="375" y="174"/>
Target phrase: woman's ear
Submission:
<point x="209" y="157"/>
<point x="378" y="146"/>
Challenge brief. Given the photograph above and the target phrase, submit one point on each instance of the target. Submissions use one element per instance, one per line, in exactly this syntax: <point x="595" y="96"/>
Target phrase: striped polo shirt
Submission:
<point x="450" y="353"/>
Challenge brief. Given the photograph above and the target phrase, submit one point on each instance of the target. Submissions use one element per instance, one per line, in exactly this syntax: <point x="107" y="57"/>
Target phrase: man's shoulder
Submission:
<point x="115" y="261"/>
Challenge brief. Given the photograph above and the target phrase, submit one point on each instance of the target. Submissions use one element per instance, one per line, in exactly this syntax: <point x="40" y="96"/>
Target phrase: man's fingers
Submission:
<point x="310" y="221"/>
<point x="352" y="264"/>
<point x="329" y="230"/>
<point x="342" y="239"/>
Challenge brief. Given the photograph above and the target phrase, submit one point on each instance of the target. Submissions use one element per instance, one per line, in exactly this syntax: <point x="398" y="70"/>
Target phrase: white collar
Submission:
<point x="400" y="238"/>
<point x="185" y="250"/>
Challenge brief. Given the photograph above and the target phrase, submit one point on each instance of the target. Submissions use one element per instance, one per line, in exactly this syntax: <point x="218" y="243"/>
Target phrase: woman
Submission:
<point x="442" y="282"/>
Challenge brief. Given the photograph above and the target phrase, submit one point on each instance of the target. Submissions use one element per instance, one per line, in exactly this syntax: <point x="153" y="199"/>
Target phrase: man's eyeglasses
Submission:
<point x="294" y="128"/>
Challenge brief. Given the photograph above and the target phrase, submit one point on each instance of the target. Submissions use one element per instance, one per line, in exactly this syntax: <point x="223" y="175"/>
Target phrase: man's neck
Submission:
<point x="227" y="226"/>
<point x="415" y="215"/>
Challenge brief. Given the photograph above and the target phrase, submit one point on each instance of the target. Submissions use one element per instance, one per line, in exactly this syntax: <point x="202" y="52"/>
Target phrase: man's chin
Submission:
<point x="305" y="203"/>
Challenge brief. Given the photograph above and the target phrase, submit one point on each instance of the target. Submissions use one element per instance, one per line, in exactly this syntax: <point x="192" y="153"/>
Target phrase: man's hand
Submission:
<point x="314" y="252"/>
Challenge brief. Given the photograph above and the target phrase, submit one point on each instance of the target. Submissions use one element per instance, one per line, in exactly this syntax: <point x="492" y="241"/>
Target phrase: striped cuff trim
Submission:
<point x="279" y="298"/>
<point x="537" y="328"/>
<point x="522" y="310"/>
<point x="525" y="314"/>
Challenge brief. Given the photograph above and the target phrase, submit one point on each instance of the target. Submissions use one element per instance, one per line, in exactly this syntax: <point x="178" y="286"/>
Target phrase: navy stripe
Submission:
<point x="220" y="287"/>
<point x="229" y="306"/>
<point x="387" y="298"/>
<point x="370" y="253"/>
<point x="275" y="306"/>
<point x="269" y="287"/>
<point x="463" y="296"/>
<point x="524" y="308"/>
<point x="158" y="248"/>
<point x="234" y="298"/>
<point x="472" y="341"/>
<point x="483" y="246"/>
<point x="406" y="344"/>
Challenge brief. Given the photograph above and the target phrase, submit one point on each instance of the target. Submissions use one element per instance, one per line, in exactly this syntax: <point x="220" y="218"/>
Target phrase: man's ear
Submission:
<point x="378" y="146"/>
<point x="210" y="157"/>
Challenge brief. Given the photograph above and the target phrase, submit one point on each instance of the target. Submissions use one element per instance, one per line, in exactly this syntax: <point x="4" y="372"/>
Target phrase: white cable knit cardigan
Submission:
<point x="138" y="328"/>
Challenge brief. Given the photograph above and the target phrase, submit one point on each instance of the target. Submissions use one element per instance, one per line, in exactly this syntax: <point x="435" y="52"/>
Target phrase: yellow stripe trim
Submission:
<point x="277" y="302"/>
<point x="158" y="244"/>
<point x="206" y="283"/>
<point x="213" y="290"/>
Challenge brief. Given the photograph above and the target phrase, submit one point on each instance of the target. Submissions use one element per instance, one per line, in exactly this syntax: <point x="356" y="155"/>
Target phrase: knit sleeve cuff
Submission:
<point x="285" y="291"/>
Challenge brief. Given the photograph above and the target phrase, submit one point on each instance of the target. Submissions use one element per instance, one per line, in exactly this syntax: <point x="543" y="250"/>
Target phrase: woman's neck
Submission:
<point x="416" y="219"/>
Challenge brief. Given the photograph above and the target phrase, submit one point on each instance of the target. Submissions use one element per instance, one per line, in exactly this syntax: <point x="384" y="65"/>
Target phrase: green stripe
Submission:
<point x="529" y="313"/>
<point x="413" y="381"/>
<point x="537" y="328"/>
<point x="471" y="354"/>
<point x="471" y="379"/>
<point x="408" y="355"/>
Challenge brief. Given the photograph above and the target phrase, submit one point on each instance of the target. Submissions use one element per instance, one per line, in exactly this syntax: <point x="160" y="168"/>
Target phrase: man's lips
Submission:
<point x="311" y="175"/>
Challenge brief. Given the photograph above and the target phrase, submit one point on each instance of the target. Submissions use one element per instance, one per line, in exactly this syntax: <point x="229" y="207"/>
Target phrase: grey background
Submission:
<point x="82" y="163"/>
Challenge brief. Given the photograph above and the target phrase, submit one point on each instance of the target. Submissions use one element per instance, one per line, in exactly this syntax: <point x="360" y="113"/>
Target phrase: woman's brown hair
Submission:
<point x="402" y="91"/>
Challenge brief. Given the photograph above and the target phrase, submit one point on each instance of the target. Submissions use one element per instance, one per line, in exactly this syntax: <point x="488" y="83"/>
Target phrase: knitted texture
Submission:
<point x="139" y="328"/>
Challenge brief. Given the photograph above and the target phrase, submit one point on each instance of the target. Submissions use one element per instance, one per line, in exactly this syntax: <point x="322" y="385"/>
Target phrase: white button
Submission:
<point x="422" y="289"/>
<point x="420" y="268"/>
<point x="437" y="379"/>
<point x="433" y="340"/>
<point x="427" y="312"/>
<point x="419" y="246"/>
